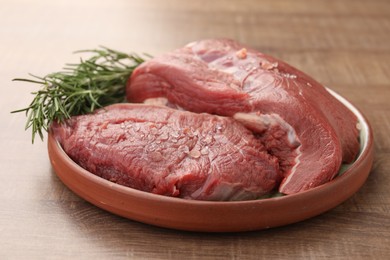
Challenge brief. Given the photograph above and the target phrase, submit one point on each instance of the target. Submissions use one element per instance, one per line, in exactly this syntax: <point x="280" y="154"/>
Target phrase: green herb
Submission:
<point x="80" y="88"/>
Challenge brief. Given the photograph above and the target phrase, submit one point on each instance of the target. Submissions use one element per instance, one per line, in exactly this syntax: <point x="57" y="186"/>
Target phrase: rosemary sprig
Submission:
<point x="80" y="88"/>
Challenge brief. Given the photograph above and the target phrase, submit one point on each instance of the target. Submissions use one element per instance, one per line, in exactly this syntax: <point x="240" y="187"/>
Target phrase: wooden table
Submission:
<point x="344" y="44"/>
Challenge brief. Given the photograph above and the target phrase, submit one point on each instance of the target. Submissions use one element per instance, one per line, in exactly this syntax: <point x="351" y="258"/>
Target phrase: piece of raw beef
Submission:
<point x="170" y="152"/>
<point x="306" y="128"/>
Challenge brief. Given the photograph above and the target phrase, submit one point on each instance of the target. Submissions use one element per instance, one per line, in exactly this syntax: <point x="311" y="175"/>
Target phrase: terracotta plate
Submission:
<point x="206" y="216"/>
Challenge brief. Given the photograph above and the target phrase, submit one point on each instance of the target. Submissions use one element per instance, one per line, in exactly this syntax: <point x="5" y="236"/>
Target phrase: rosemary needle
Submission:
<point x="79" y="89"/>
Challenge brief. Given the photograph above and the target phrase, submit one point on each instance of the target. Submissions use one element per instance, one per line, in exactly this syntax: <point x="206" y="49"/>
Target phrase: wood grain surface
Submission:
<point x="344" y="44"/>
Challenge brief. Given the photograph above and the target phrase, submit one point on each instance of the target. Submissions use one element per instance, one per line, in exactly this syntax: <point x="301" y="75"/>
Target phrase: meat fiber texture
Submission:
<point x="171" y="152"/>
<point x="293" y="116"/>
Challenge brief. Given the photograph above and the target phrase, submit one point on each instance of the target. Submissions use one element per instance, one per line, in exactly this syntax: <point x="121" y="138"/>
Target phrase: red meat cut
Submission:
<point x="307" y="129"/>
<point x="170" y="152"/>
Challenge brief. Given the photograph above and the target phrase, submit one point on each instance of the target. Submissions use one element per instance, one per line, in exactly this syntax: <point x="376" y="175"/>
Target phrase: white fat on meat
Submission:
<point x="159" y="101"/>
<point x="259" y="123"/>
<point x="162" y="102"/>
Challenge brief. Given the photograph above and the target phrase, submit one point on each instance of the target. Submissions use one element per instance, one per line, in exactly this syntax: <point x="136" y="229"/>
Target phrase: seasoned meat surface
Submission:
<point x="170" y="152"/>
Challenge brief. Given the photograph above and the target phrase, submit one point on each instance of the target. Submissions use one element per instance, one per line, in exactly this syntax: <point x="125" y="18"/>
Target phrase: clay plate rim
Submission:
<point x="208" y="216"/>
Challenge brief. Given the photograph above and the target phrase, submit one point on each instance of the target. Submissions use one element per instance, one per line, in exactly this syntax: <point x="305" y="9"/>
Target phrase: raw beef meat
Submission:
<point x="170" y="152"/>
<point x="307" y="129"/>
